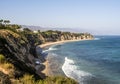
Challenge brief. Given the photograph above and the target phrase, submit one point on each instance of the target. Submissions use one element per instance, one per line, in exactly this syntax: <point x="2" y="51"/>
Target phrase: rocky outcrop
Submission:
<point x="18" y="51"/>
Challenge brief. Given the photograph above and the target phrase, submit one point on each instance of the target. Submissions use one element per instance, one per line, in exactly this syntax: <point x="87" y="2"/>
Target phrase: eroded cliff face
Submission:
<point x="18" y="51"/>
<point x="52" y="36"/>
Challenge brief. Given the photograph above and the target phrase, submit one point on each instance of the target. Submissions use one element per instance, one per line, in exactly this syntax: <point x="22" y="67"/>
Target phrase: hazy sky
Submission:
<point x="100" y="16"/>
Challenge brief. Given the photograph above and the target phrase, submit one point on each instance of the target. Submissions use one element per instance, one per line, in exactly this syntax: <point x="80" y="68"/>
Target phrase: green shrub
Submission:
<point x="59" y="80"/>
<point x="27" y="79"/>
<point x="22" y="42"/>
<point x="2" y="58"/>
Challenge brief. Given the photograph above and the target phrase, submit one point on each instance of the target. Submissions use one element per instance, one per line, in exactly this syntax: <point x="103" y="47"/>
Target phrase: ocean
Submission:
<point x="89" y="62"/>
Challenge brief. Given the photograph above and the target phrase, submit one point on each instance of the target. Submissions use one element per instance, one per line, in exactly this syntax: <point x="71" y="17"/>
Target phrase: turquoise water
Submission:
<point x="90" y="62"/>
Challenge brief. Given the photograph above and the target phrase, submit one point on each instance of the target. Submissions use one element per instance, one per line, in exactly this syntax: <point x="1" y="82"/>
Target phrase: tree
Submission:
<point x="16" y="26"/>
<point x="1" y="21"/>
<point x="39" y="31"/>
<point x="27" y="29"/>
<point x="6" y="22"/>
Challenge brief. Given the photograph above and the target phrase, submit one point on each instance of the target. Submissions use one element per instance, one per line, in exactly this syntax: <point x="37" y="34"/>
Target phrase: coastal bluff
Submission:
<point x="19" y="49"/>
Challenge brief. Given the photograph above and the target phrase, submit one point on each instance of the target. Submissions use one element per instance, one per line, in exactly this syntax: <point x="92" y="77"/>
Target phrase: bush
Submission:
<point x="29" y="79"/>
<point x="8" y="66"/>
<point x="22" y="42"/>
<point x="2" y="58"/>
<point x="59" y="80"/>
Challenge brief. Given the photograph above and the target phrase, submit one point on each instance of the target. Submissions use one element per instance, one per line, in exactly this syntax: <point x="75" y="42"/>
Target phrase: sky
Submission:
<point x="99" y="16"/>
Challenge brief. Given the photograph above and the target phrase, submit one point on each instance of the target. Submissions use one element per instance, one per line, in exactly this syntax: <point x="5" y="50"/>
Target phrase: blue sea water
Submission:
<point x="89" y="62"/>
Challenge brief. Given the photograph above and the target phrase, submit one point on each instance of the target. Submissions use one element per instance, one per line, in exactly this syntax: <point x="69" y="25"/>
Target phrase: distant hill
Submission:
<point x="60" y="29"/>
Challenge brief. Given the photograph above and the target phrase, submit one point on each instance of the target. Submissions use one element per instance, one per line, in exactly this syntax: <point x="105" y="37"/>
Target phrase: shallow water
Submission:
<point x="89" y="62"/>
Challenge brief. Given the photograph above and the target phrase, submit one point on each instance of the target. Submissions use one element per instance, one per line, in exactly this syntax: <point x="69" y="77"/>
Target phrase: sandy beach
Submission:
<point x="47" y="70"/>
<point x="60" y="42"/>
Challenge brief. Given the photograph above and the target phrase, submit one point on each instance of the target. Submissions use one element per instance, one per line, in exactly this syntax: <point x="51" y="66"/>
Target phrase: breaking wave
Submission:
<point x="50" y="49"/>
<point x="97" y="39"/>
<point x="71" y="70"/>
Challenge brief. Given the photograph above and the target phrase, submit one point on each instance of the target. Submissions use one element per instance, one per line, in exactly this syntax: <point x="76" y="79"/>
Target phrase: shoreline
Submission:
<point x="47" y="70"/>
<point x="60" y="42"/>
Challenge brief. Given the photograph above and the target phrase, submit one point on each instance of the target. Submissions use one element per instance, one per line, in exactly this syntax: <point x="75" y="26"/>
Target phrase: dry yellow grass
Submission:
<point x="5" y="33"/>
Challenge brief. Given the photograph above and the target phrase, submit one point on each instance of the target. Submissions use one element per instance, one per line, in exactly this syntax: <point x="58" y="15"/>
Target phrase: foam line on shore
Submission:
<point x="46" y="64"/>
<point x="70" y="70"/>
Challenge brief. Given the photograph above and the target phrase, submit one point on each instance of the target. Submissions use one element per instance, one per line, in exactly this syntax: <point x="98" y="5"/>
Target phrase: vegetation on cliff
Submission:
<point x="18" y="54"/>
<point x="29" y="79"/>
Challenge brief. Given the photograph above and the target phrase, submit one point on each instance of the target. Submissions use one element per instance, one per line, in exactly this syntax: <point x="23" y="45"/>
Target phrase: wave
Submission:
<point x="71" y="70"/>
<point x="50" y="49"/>
<point x="97" y="39"/>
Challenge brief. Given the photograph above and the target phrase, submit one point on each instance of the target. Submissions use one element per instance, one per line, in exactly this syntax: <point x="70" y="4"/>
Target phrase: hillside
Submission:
<point x="18" y="53"/>
<point x="75" y="30"/>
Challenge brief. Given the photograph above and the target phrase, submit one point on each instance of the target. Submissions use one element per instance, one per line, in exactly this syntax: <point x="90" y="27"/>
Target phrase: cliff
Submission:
<point x="19" y="48"/>
<point x="53" y="36"/>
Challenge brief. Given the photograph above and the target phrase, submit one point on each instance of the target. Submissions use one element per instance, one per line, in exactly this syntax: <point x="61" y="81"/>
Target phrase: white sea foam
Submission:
<point x="53" y="54"/>
<point x="45" y="51"/>
<point x="70" y="70"/>
<point x="97" y="39"/>
<point x="50" y="49"/>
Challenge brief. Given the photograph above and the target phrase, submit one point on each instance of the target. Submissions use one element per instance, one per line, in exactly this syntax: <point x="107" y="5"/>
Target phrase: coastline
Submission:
<point x="47" y="71"/>
<point x="60" y="42"/>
